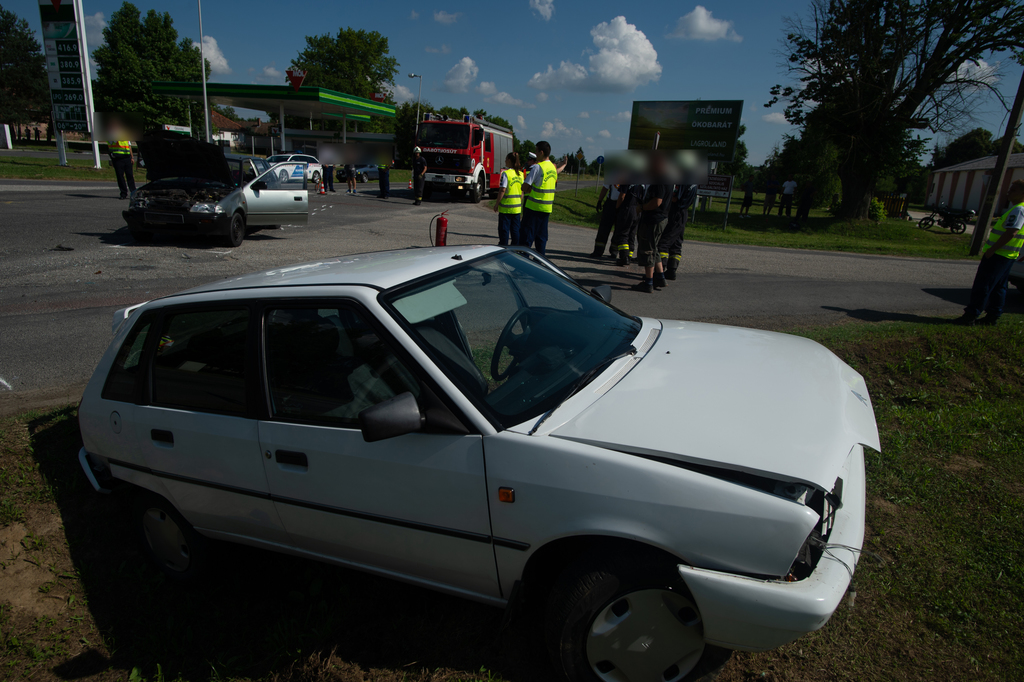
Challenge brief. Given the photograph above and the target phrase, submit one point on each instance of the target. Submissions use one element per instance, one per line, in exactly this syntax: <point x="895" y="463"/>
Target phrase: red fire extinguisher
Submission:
<point x="440" y="236"/>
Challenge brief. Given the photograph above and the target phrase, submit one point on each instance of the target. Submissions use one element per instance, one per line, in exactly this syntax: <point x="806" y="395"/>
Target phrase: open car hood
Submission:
<point x="741" y="399"/>
<point x="177" y="156"/>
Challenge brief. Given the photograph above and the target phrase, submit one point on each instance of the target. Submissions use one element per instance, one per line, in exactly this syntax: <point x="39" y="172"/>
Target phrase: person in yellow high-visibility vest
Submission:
<point x="509" y="204"/>
<point x="121" y="159"/>
<point x="539" y="190"/>
<point x="1004" y="246"/>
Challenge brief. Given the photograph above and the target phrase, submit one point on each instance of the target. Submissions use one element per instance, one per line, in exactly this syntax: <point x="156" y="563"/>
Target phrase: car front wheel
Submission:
<point x="170" y="541"/>
<point x="236" y="230"/>
<point x="604" y="605"/>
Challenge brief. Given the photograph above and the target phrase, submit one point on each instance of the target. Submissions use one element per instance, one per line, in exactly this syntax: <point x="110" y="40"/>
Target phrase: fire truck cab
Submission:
<point x="463" y="157"/>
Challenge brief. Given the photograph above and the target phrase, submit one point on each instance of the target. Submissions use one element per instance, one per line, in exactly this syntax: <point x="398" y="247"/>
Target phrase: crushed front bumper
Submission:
<point x="176" y="222"/>
<point x="755" y="615"/>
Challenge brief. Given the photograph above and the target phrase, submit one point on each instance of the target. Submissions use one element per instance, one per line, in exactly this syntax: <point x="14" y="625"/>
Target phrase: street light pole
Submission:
<point x="202" y="65"/>
<point x="418" y="96"/>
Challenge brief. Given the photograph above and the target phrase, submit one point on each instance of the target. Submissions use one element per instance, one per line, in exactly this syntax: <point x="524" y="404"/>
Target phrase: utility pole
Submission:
<point x="420" y="95"/>
<point x="202" y="64"/>
<point x="995" y="184"/>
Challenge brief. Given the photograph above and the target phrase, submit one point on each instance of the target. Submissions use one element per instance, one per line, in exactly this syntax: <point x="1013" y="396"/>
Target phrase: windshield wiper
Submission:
<point x="581" y="382"/>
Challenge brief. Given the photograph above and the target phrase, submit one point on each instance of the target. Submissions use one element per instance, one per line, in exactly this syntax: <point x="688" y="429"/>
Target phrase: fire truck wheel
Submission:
<point x="478" y="191"/>
<point x="426" y="193"/>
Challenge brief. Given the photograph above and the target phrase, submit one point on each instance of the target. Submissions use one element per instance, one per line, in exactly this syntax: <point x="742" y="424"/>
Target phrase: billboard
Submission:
<point x="708" y="126"/>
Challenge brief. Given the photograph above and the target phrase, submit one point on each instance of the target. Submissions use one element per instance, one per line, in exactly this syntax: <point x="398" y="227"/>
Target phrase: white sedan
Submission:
<point x="314" y="169"/>
<point x="469" y="419"/>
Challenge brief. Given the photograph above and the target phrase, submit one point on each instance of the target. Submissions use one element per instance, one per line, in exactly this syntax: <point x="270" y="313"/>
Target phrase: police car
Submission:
<point x="469" y="419"/>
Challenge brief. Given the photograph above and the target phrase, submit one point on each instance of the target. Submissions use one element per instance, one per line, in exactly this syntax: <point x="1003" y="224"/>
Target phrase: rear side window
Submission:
<point x="327" y="365"/>
<point x="121" y="381"/>
<point x="200" y="361"/>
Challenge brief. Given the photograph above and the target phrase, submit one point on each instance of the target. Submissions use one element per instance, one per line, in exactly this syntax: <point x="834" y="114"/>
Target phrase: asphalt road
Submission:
<point x="68" y="263"/>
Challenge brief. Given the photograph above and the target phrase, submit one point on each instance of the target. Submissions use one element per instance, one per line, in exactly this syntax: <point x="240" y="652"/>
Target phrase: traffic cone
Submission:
<point x="321" y="187"/>
<point x="410" y="185"/>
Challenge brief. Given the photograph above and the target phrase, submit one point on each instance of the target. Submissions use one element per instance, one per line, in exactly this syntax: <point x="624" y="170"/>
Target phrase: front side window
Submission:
<point x="290" y="176"/>
<point x="513" y="334"/>
<point x="120" y="384"/>
<point x="326" y="365"/>
<point x="200" y="361"/>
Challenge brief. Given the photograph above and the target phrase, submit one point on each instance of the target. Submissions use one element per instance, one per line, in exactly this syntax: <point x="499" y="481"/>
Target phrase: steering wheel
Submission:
<point x="507" y="338"/>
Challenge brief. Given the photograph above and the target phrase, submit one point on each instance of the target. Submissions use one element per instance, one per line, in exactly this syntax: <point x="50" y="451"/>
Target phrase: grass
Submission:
<point x="945" y="511"/>
<point x="820" y="232"/>
<point x="27" y="168"/>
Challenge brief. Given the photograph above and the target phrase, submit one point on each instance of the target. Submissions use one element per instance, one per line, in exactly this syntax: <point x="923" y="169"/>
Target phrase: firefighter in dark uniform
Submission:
<point x="121" y="159"/>
<point x="607" y="203"/>
<point x="627" y="219"/>
<point x="384" y="179"/>
<point x="671" y="245"/>
<point x="419" y="175"/>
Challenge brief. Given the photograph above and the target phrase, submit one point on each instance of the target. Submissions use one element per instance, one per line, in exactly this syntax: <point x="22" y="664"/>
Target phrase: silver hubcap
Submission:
<point x="648" y="635"/>
<point x="166" y="539"/>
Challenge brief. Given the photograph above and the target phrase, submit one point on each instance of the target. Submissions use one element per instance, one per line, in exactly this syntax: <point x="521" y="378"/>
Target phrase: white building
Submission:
<point x="962" y="186"/>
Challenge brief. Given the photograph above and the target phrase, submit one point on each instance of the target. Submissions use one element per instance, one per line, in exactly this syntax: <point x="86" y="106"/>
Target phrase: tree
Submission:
<point x="869" y="71"/>
<point x="975" y="144"/>
<point x="135" y="52"/>
<point x="355" y="62"/>
<point x="226" y="112"/>
<point x="738" y="167"/>
<point x="24" y="94"/>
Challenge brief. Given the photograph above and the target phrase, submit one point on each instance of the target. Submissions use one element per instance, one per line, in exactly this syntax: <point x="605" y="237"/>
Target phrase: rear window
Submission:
<point x="200" y="361"/>
<point x="121" y="381"/>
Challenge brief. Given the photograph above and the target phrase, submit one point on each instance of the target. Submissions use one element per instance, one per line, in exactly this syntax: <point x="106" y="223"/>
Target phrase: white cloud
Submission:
<point x="981" y="71"/>
<point x="218" y="62"/>
<point x="400" y="93"/>
<point x="775" y="117"/>
<point x="461" y="76"/>
<point x="487" y="88"/>
<point x="414" y="15"/>
<point x="545" y="8"/>
<point x="590" y="140"/>
<point x="700" y="25"/>
<point x="269" y="74"/>
<point x="625" y="60"/>
<point x="444" y="49"/>
<point x="584" y="114"/>
<point x="522" y="122"/>
<point x="558" y="129"/>
<point x="604" y="133"/>
<point x="505" y="98"/>
<point x="622" y="116"/>
<point x="94" y="25"/>
<point x="443" y="17"/>
<point x="542" y="97"/>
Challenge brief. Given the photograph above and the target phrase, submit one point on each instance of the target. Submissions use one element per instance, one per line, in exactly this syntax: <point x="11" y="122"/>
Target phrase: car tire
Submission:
<point x="925" y="223"/>
<point x="477" y="193"/>
<point x="605" y="599"/>
<point x="361" y="177"/>
<point x="316" y="177"/>
<point x="236" y="231"/>
<point x="141" y="236"/>
<point x="283" y="176"/>
<point x="170" y="542"/>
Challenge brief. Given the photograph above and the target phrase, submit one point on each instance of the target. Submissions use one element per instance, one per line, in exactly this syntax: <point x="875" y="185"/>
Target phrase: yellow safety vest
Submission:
<point x="1013" y="247"/>
<point x="542" y="198"/>
<point x="119" y="147"/>
<point x="512" y="201"/>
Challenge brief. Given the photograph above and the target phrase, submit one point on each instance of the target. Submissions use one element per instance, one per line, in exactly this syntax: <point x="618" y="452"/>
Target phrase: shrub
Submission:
<point x="877" y="211"/>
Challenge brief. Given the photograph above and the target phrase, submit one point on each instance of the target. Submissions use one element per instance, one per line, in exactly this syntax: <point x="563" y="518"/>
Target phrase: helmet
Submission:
<point x="415" y="150"/>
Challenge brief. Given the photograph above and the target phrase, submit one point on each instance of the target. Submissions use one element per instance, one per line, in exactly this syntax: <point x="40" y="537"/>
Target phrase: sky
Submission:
<point x="563" y="71"/>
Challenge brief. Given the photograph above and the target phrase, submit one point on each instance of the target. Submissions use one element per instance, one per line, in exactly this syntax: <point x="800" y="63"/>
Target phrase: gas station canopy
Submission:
<point x="308" y="101"/>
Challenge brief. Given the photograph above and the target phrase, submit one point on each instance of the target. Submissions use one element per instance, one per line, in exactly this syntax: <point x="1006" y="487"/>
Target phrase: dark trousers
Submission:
<point x="122" y="164"/>
<point x="508" y="228"/>
<point x="383" y="179"/>
<point x="786" y="204"/>
<point x="803" y="209"/>
<point x="606" y="226"/>
<point x="649" y="233"/>
<point x="624" y="237"/>
<point x="533" y="230"/>
<point x="671" y="245"/>
<point x="989" y="290"/>
<point x="329" y="178"/>
<point x="417" y="187"/>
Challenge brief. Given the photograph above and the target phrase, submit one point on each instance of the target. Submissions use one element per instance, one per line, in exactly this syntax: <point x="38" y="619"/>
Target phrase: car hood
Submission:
<point x="759" y="402"/>
<point x="184" y="157"/>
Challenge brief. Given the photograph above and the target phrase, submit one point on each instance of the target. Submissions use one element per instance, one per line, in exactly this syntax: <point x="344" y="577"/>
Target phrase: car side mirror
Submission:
<point x="392" y="418"/>
<point x="258" y="185"/>
<point x="603" y="292"/>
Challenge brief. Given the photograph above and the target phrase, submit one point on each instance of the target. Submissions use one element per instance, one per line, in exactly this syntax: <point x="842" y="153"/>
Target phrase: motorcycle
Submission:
<point x="954" y="221"/>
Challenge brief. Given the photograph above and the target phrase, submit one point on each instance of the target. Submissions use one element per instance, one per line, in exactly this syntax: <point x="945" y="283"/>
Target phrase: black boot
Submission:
<point x="670" y="273"/>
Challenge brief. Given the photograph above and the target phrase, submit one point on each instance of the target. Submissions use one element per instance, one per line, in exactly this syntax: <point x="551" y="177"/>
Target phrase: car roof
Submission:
<point x="380" y="270"/>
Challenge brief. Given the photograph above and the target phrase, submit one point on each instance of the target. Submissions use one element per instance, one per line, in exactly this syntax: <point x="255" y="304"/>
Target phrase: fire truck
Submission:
<point x="463" y="157"/>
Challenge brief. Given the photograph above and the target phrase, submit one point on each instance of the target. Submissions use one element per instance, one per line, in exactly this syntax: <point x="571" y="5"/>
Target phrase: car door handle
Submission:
<point x="161" y="436"/>
<point x="297" y="198"/>
<point x="293" y="458"/>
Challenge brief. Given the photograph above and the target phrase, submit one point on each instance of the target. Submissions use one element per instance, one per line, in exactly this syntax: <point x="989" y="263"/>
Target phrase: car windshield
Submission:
<point x="515" y="336"/>
<point x="447" y="135"/>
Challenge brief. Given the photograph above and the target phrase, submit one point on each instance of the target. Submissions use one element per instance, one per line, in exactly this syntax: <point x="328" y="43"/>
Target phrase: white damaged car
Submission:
<point x="469" y="419"/>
